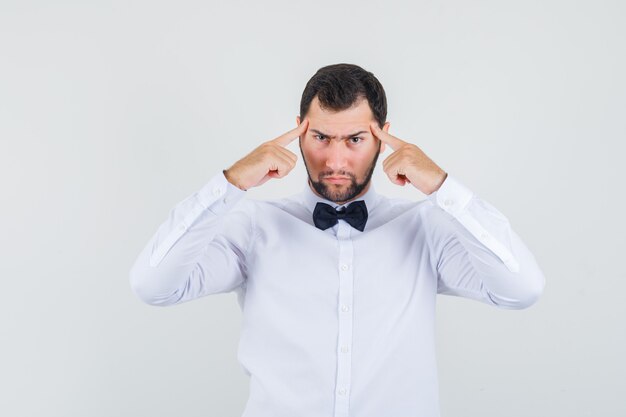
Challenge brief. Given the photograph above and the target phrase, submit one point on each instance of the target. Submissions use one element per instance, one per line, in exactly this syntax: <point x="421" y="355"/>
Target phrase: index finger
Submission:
<point x="288" y="137"/>
<point x="390" y="140"/>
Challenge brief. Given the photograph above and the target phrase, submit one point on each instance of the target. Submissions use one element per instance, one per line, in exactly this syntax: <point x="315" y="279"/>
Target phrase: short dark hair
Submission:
<point x="339" y="86"/>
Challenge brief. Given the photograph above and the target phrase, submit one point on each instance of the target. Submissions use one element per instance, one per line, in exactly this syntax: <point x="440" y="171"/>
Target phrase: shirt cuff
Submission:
<point x="452" y="196"/>
<point x="219" y="195"/>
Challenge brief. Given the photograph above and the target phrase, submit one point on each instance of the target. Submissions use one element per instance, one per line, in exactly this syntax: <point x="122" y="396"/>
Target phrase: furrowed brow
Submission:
<point x="333" y="137"/>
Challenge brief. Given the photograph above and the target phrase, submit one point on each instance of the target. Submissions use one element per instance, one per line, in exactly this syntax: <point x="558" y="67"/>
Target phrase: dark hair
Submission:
<point x="339" y="86"/>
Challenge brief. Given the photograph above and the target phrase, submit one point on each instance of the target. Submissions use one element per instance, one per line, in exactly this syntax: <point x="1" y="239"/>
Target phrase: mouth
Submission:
<point x="337" y="180"/>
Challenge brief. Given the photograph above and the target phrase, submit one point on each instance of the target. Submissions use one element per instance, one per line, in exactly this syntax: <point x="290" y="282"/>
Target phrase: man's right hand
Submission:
<point x="269" y="160"/>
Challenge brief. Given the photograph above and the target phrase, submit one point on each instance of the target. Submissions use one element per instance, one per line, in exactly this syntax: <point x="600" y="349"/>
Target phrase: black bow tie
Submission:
<point x="325" y="216"/>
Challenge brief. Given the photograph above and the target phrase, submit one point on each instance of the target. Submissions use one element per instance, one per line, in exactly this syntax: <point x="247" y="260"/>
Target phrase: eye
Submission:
<point x="320" y="137"/>
<point x="356" y="137"/>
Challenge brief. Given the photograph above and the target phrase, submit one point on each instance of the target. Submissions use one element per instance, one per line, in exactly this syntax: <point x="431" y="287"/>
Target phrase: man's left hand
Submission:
<point x="409" y="164"/>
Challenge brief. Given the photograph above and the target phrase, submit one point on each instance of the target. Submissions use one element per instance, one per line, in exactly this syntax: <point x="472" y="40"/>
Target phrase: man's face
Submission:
<point x="339" y="151"/>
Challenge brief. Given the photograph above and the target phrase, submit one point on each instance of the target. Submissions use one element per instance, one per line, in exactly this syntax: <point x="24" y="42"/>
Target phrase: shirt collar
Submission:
<point x="310" y="199"/>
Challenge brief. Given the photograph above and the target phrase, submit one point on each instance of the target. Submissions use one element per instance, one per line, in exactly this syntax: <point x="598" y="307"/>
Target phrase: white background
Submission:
<point x="111" y="112"/>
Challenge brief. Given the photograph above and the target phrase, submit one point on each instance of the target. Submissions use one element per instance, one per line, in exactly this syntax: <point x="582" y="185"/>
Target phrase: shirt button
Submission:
<point x="181" y="227"/>
<point x="345" y="308"/>
<point x="344" y="267"/>
<point x="484" y="236"/>
<point x="342" y="391"/>
<point x="217" y="191"/>
<point x="448" y="202"/>
<point x="344" y="349"/>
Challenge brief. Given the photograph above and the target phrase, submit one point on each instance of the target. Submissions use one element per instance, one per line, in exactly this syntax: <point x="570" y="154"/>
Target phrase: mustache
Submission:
<point x="336" y="174"/>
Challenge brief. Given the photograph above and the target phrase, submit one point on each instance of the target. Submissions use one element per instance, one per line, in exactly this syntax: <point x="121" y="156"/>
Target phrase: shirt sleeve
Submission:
<point x="199" y="250"/>
<point x="477" y="253"/>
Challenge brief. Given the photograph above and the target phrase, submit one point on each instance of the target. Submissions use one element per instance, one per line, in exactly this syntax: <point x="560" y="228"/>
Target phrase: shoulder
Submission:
<point x="425" y="212"/>
<point x="398" y="205"/>
<point x="274" y="208"/>
<point x="281" y="203"/>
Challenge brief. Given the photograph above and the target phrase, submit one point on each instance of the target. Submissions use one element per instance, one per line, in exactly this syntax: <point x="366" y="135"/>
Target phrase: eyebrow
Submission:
<point x="345" y="137"/>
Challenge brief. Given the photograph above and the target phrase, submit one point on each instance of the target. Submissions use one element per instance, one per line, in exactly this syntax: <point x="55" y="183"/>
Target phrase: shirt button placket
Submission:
<point x="344" y="339"/>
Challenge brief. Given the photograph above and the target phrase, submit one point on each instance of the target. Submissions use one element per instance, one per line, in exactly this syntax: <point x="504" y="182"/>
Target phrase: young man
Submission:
<point x="337" y="284"/>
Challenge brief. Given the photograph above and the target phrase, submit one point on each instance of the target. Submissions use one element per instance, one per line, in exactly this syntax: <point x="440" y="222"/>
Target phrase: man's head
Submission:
<point x="340" y="101"/>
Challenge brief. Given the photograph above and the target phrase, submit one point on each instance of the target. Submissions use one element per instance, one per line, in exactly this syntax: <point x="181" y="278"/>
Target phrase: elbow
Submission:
<point x="534" y="289"/>
<point x="141" y="287"/>
<point x="525" y="295"/>
<point x="140" y="290"/>
<point x="529" y="298"/>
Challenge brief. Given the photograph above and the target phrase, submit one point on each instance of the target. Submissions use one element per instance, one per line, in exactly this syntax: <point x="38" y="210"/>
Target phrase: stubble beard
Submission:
<point x="336" y="192"/>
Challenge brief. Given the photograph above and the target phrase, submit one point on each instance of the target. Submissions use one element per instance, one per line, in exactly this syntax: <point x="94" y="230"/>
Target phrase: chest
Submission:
<point x="293" y="259"/>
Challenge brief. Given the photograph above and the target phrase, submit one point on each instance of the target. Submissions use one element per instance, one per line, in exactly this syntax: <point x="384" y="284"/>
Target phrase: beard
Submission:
<point x="338" y="194"/>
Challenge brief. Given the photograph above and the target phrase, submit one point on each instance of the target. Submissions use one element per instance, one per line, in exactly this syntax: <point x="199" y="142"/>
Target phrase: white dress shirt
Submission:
<point x="337" y="323"/>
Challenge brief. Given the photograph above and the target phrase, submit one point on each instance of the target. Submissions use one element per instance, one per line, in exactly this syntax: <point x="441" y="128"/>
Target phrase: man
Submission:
<point x="337" y="284"/>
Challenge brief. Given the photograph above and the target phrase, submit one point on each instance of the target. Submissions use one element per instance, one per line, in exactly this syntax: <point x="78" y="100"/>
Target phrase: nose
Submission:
<point x="336" y="155"/>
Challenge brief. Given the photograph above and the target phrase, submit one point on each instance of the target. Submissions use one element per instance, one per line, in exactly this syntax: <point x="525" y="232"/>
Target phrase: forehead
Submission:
<point x="359" y="116"/>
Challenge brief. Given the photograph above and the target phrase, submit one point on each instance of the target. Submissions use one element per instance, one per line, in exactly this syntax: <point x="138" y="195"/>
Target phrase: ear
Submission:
<point x="385" y="129"/>
<point x="298" y="124"/>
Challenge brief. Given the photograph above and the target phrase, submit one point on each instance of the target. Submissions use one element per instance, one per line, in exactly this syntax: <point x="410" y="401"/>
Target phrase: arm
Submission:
<point x="202" y="248"/>
<point x="477" y="254"/>
<point x="199" y="250"/>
